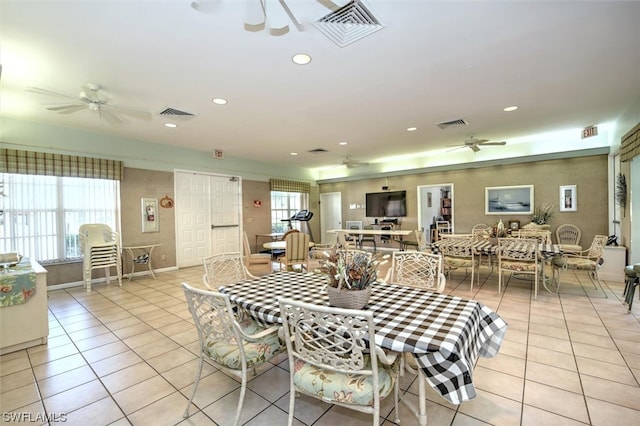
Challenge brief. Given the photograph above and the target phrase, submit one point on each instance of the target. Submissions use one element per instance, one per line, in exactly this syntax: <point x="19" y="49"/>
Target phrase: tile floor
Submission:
<point x="128" y="356"/>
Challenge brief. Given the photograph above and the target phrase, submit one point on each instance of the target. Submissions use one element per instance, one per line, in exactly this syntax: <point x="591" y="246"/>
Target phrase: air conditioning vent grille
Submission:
<point x="349" y="23"/>
<point x="458" y="122"/>
<point x="176" y="112"/>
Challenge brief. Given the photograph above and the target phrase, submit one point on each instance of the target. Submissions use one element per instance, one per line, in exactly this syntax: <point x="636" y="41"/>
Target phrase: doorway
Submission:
<point x="208" y="216"/>
<point x="435" y="202"/>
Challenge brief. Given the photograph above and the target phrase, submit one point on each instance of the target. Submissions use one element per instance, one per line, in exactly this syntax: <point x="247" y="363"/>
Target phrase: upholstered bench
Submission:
<point x="632" y="280"/>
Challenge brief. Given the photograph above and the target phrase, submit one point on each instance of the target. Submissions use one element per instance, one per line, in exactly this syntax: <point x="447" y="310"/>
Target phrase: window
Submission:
<point x="40" y="215"/>
<point x="283" y="206"/>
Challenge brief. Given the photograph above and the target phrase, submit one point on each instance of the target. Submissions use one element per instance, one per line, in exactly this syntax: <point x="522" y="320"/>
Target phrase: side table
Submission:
<point x="141" y="255"/>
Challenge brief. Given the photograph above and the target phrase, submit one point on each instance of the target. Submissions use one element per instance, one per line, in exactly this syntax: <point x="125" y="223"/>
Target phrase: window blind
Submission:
<point x="630" y="144"/>
<point x="284" y="185"/>
<point x="48" y="164"/>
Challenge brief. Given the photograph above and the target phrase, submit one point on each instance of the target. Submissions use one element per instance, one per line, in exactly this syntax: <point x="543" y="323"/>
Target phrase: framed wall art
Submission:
<point x="568" y="198"/>
<point x="149" y="212"/>
<point x="509" y="200"/>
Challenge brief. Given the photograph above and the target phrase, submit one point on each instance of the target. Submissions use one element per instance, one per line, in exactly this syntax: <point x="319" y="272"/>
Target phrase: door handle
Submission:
<point x="223" y="226"/>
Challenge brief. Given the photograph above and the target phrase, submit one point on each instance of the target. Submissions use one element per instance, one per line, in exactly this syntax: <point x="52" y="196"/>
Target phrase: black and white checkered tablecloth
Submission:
<point x="445" y="333"/>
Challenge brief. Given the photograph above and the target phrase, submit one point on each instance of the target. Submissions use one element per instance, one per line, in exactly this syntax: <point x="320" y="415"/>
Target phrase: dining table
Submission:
<point x="489" y="247"/>
<point x="445" y="334"/>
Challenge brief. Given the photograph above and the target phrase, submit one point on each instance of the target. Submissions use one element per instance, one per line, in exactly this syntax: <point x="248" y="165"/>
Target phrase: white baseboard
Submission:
<point x="125" y="277"/>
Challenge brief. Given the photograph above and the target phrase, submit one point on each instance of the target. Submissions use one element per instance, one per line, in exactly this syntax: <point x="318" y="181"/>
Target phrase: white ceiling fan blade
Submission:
<point x="110" y="117"/>
<point x="493" y="143"/>
<point x="131" y="112"/>
<point x="474" y="141"/>
<point x="206" y="6"/>
<point x="68" y="109"/>
<point x="47" y="92"/>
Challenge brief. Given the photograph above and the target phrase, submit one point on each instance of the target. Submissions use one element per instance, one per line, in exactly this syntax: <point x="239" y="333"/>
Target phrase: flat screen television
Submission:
<point x="386" y="204"/>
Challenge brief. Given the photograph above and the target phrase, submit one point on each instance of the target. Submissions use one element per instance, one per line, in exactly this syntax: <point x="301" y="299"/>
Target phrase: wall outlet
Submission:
<point x="163" y="257"/>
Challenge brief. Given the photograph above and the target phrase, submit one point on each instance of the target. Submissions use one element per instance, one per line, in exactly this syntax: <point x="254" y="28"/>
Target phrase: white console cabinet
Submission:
<point x="615" y="259"/>
<point x="27" y="324"/>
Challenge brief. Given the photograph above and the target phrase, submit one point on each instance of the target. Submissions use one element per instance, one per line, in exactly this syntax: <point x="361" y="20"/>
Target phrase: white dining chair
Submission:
<point x="521" y="256"/>
<point x="417" y="269"/>
<point x="333" y="358"/>
<point x="235" y="344"/>
<point x="222" y="269"/>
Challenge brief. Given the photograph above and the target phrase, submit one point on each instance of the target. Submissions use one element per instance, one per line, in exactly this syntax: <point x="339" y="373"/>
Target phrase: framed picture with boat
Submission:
<point x="509" y="200"/>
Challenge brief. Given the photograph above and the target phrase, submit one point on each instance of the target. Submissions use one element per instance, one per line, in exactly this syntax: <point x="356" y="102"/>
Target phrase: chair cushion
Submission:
<point x="356" y="389"/>
<point x="518" y="266"/>
<point x="575" y="263"/>
<point x="227" y="354"/>
<point x="458" y="262"/>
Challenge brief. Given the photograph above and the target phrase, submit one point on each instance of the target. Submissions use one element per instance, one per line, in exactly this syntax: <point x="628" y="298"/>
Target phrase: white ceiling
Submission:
<point x="567" y="65"/>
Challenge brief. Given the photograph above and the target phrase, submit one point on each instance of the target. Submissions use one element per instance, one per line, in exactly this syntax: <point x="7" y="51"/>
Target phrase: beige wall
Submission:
<point x="256" y="220"/>
<point x="588" y="173"/>
<point x="137" y="184"/>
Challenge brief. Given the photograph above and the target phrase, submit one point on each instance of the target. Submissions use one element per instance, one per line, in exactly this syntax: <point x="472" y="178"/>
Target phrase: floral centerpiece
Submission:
<point x="350" y="274"/>
<point x="542" y="215"/>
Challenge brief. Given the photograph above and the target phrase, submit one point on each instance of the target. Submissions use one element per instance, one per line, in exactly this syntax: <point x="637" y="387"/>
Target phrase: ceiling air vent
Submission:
<point x="317" y="150"/>
<point x="458" y="122"/>
<point x="176" y="112"/>
<point x="349" y="23"/>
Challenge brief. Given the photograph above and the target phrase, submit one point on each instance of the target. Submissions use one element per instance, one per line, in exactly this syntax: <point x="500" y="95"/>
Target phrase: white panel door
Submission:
<point x="207" y="216"/>
<point x="330" y="214"/>
<point x="192" y="218"/>
<point x="225" y="214"/>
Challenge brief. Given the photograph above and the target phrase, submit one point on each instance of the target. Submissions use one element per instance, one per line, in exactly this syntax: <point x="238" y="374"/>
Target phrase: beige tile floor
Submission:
<point x="128" y="356"/>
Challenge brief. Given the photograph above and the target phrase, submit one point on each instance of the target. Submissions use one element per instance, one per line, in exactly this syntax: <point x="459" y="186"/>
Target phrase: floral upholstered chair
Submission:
<point x="332" y="357"/>
<point x="230" y="339"/>
<point x="458" y="252"/>
<point x="521" y="256"/>
<point x="587" y="260"/>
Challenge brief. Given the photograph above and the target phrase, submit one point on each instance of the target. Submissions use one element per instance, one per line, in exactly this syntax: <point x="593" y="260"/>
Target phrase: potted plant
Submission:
<point x="350" y="274"/>
<point x="541" y="216"/>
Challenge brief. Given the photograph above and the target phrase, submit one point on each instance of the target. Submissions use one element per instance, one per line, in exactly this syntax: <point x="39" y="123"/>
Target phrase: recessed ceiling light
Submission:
<point x="511" y="108"/>
<point x="171" y="125"/>
<point x="342" y="143"/>
<point x="219" y="101"/>
<point x="293" y="153"/>
<point x="301" y="59"/>
<point x="411" y="129"/>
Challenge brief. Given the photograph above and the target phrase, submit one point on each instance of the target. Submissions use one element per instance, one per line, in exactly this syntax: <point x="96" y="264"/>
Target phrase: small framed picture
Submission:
<point x="514" y="224"/>
<point x="568" y="198"/>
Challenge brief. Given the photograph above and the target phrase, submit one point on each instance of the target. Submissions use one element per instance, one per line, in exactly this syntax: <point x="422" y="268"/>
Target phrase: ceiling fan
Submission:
<point x="474" y="144"/>
<point x="351" y="163"/>
<point x="93" y="98"/>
